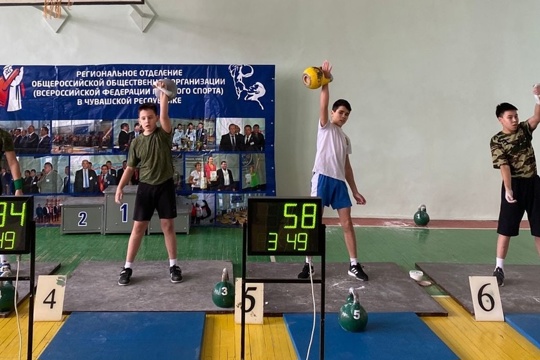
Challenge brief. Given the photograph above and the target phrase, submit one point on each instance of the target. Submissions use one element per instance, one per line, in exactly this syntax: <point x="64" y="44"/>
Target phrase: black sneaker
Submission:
<point x="358" y="272"/>
<point x="305" y="272"/>
<point x="499" y="274"/>
<point x="176" y="274"/>
<point x="125" y="276"/>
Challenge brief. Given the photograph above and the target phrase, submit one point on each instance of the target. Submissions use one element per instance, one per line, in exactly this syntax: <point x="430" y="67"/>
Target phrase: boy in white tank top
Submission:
<point x="332" y="172"/>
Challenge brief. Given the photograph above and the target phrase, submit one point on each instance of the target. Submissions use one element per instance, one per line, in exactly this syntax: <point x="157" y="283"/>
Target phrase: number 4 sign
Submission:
<point x="49" y="302"/>
<point x="486" y="298"/>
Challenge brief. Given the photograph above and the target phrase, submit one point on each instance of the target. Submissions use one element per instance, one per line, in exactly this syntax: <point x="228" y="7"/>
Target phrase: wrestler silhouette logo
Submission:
<point x="11" y="88"/>
<point x="255" y="89"/>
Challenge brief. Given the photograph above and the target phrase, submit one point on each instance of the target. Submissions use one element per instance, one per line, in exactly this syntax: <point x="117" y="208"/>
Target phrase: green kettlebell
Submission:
<point x="421" y="217"/>
<point x="352" y="316"/>
<point x="7" y="296"/>
<point x="223" y="294"/>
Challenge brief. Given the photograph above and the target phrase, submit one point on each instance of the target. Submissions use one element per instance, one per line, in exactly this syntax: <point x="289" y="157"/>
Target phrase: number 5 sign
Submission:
<point x="254" y="302"/>
<point x="486" y="298"/>
<point x="49" y="302"/>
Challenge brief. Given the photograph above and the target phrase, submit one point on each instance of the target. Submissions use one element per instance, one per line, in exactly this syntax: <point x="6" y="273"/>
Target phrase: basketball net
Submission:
<point x="53" y="8"/>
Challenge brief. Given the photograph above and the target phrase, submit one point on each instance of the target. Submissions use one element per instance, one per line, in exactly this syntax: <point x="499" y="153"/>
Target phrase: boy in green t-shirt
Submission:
<point x="151" y="153"/>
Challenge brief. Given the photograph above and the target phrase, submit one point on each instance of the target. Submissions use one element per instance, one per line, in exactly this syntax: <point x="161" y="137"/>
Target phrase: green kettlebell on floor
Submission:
<point x="7" y="296"/>
<point x="352" y="316"/>
<point x="223" y="294"/>
<point x="421" y="217"/>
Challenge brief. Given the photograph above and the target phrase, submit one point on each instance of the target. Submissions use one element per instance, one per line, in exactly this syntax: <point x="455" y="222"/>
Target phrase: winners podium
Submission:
<point x="101" y="214"/>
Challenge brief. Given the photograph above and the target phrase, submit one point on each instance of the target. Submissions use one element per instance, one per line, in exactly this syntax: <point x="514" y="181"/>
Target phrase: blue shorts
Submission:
<point x="333" y="192"/>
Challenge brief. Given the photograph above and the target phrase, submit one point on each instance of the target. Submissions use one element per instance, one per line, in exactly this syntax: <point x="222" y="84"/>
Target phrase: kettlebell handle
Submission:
<point x="354" y="294"/>
<point x="225" y="275"/>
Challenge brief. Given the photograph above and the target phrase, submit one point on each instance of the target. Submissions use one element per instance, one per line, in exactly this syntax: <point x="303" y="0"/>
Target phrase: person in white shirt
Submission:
<point x="332" y="172"/>
<point x="195" y="177"/>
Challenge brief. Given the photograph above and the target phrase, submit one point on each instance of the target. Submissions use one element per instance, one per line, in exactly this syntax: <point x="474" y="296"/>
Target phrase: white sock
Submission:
<point x="500" y="263"/>
<point x="308" y="259"/>
<point x="127" y="264"/>
<point x="3" y="259"/>
<point x="354" y="261"/>
<point x="172" y="262"/>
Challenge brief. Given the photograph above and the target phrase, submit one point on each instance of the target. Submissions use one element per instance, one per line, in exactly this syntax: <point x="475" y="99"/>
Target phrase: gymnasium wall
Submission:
<point x="423" y="77"/>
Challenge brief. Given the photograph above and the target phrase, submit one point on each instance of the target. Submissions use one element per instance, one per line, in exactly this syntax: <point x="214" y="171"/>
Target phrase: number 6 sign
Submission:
<point x="486" y="298"/>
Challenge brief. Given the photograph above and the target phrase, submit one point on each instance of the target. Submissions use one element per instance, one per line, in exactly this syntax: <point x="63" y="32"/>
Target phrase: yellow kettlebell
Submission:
<point x="313" y="77"/>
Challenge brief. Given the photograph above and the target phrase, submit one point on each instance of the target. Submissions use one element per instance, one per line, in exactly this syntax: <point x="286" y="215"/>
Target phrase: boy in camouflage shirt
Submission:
<point x="512" y="152"/>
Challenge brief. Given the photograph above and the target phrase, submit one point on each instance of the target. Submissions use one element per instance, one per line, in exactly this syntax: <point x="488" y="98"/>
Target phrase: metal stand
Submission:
<point x="245" y="281"/>
<point x="32" y="278"/>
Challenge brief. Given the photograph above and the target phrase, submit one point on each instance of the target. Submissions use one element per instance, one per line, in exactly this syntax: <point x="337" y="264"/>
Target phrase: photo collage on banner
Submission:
<point x="70" y="120"/>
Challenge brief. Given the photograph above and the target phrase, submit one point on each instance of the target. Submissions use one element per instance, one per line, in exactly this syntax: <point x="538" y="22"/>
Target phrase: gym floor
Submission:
<point x="378" y="241"/>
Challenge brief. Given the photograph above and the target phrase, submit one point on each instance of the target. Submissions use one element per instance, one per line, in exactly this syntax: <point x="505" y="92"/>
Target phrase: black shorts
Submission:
<point x="151" y="197"/>
<point x="527" y="193"/>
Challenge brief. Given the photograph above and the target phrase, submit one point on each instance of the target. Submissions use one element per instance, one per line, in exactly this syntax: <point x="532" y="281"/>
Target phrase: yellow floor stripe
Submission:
<point x="471" y="339"/>
<point x="268" y="341"/>
<point x="44" y="332"/>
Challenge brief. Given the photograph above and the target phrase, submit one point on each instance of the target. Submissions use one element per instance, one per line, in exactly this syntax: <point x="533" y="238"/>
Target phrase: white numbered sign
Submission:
<point x="486" y="298"/>
<point x="254" y="302"/>
<point x="49" y="302"/>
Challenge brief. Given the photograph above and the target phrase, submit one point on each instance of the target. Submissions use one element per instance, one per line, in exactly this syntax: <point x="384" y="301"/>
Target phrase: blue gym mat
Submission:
<point x="128" y="335"/>
<point x="387" y="336"/>
<point x="527" y="325"/>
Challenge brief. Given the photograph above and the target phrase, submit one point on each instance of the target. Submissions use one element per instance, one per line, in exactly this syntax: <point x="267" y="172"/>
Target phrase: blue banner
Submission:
<point x="63" y="115"/>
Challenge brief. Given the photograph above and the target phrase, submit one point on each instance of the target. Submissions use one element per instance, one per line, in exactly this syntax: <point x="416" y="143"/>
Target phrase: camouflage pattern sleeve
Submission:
<point x="515" y="150"/>
<point x="497" y="153"/>
<point x="6" y="141"/>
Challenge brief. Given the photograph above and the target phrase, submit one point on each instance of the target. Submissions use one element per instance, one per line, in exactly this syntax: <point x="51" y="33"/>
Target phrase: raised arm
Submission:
<point x="535" y="119"/>
<point x="164" y="119"/>
<point x="15" y="170"/>
<point x="325" y="94"/>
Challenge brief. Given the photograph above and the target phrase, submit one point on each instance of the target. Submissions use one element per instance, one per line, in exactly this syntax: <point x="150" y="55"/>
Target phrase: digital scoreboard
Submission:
<point x="285" y="226"/>
<point x="16" y="224"/>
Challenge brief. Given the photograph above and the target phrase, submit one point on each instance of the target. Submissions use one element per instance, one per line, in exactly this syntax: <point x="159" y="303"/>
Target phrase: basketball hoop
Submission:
<point x="53" y="8"/>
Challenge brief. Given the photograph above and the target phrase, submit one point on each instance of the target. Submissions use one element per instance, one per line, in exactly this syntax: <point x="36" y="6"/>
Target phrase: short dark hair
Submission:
<point x="502" y="107"/>
<point x="148" y="106"/>
<point x="341" y="102"/>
